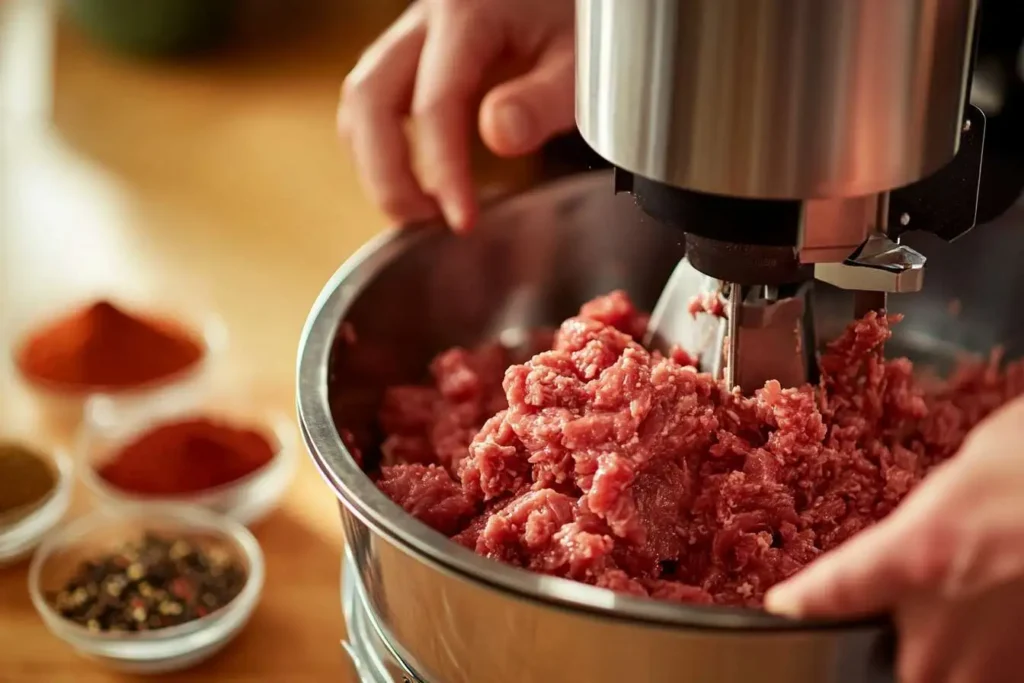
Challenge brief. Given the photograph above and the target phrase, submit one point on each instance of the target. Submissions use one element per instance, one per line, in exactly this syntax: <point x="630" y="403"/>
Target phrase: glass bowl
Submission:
<point x="110" y="424"/>
<point x="62" y="407"/>
<point x="157" y="651"/>
<point x="23" y="534"/>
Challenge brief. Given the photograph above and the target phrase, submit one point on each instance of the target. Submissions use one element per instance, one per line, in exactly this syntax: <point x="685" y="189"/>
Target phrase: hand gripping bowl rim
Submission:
<point x="362" y="498"/>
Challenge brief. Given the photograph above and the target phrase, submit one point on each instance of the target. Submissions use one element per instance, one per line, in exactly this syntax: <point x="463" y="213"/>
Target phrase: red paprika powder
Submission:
<point x="103" y="347"/>
<point x="188" y="456"/>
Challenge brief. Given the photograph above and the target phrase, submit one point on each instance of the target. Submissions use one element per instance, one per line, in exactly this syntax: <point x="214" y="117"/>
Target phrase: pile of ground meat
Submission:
<point x="602" y="462"/>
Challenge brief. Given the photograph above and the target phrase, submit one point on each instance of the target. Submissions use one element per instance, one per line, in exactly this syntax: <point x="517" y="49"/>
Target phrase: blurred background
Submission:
<point x="183" y="153"/>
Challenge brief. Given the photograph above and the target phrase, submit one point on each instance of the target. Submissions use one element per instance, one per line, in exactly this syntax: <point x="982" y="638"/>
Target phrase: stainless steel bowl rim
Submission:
<point x="359" y="494"/>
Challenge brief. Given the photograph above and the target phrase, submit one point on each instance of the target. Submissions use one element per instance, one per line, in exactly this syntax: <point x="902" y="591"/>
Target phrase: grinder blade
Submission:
<point x="743" y="335"/>
<point x="673" y="325"/>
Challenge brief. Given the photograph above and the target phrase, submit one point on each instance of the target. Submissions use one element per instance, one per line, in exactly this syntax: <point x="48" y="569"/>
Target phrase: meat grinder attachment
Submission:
<point x="748" y="332"/>
<point x="789" y="144"/>
<point x="747" y="335"/>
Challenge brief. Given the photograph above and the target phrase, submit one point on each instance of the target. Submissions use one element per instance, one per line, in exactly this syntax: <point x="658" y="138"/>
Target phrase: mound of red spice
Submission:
<point x="188" y="456"/>
<point x="104" y="347"/>
<point x="618" y="467"/>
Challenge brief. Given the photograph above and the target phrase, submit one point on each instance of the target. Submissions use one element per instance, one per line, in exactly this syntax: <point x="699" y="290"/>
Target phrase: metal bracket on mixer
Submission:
<point x="772" y="339"/>
<point x="946" y="202"/>
<point x="880" y="265"/>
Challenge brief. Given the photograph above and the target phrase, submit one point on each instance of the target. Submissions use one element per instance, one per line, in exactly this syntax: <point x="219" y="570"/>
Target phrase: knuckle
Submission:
<point x="931" y="557"/>
<point x="356" y="87"/>
<point x="432" y="107"/>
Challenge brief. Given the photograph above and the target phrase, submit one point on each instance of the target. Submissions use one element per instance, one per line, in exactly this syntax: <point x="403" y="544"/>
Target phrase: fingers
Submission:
<point x="861" y="577"/>
<point x="431" y="65"/>
<point x="986" y="639"/>
<point x="961" y="641"/>
<point x="375" y="101"/>
<point x="460" y="45"/>
<point x="929" y="633"/>
<point x="519" y="116"/>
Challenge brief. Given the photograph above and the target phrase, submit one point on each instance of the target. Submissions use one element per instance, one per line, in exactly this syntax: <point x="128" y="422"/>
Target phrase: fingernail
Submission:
<point x="782" y="601"/>
<point x="515" y="124"/>
<point x="454" y="214"/>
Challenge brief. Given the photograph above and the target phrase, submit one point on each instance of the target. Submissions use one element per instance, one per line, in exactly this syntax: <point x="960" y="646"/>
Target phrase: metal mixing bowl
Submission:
<point x="446" y="615"/>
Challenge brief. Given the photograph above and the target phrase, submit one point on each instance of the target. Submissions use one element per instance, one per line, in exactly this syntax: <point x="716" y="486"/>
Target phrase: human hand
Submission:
<point x="430" y="66"/>
<point x="948" y="564"/>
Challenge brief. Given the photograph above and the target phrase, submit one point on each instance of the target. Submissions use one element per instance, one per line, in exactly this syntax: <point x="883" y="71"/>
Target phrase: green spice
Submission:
<point x="151" y="584"/>
<point x="26" y="479"/>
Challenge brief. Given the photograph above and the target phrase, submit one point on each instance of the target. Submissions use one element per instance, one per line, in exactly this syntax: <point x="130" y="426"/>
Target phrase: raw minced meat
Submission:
<point x="602" y="462"/>
<point x="435" y="424"/>
<point x="707" y="302"/>
<point x="429" y="494"/>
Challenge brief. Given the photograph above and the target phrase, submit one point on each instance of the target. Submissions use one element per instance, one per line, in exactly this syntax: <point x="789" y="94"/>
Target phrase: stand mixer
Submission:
<point x="781" y="149"/>
<point x="789" y="141"/>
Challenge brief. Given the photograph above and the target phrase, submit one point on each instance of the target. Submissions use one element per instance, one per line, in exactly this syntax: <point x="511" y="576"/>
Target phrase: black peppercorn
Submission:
<point x="151" y="584"/>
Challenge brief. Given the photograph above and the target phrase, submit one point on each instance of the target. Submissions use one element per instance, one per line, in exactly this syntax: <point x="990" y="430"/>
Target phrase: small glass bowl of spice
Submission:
<point x="110" y="348"/>
<point x="148" y="590"/>
<point x="213" y="454"/>
<point x="35" y="491"/>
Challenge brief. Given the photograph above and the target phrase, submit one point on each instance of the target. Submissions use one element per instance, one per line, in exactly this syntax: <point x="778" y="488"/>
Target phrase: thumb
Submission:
<point x="520" y="115"/>
<point x="878" y="567"/>
<point x="860" y="578"/>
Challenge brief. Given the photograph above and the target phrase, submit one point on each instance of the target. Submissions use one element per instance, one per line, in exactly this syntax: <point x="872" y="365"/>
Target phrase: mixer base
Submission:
<point x="370" y="655"/>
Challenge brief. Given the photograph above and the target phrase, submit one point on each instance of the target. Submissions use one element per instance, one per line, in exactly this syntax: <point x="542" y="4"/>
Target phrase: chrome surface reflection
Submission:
<point x="774" y="99"/>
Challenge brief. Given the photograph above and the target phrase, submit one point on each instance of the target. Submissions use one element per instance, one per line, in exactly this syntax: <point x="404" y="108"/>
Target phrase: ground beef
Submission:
<point x="428" y="493"/>
<point x="711" y="303"/>
<point x="435" y="424"/>
<point x="602" y="462"/>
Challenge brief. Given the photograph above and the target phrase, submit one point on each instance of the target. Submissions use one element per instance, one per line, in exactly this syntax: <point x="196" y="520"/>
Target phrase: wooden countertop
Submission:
<point x="218" y="183"/>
